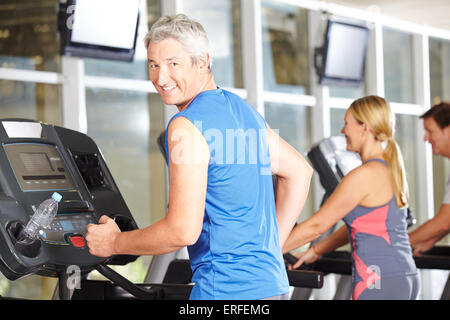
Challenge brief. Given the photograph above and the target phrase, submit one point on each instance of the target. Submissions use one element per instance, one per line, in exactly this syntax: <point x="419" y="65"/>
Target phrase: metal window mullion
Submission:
<point x="375" y="62"/>
<point x="119" y="84"/>
<point x="289" y="98"/>
<point x="320" y="112"/>
<point x="31" y="76"/>
<point x="252" y="49"/>
<point x="74" y="114"/>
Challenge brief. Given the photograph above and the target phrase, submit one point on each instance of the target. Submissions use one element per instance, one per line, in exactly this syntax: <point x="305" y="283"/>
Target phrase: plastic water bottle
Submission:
<point x="42" y="217"/>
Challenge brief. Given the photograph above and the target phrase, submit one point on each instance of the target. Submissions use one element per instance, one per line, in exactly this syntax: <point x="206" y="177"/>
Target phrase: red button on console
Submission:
<point x="77" y="241"/>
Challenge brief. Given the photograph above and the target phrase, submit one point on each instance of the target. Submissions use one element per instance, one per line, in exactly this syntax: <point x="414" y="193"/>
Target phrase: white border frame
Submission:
<point x="74" y="81"/>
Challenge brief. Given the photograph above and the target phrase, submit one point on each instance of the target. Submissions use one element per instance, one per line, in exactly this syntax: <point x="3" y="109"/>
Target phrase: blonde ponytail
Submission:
<point x="375" y="111"/>
<point x="393" y="157"/>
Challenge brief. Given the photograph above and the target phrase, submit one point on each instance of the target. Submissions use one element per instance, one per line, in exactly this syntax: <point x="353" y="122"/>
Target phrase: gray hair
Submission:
<point x="190" y="33"/>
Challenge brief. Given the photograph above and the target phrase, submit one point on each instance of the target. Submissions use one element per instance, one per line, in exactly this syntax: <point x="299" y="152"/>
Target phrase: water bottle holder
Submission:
<point x="27" y="247"/>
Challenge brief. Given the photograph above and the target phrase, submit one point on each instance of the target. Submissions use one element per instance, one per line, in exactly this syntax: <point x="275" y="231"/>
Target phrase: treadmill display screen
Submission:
<point x="37" y="161"/>
<point x="38" y="167"/>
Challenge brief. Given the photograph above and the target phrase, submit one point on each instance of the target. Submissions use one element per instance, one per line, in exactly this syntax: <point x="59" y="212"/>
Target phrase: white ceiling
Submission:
<point x="434" y="13"/>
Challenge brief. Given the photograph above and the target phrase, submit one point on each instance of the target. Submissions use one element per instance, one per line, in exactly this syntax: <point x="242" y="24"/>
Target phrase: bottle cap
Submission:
<point x="57" y="196"/>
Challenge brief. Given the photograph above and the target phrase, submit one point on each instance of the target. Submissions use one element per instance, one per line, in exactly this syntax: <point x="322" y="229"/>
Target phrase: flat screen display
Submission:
<point x="110" y="23"/>
<point x="104" y="29"/>
<point x="344" y="54"/>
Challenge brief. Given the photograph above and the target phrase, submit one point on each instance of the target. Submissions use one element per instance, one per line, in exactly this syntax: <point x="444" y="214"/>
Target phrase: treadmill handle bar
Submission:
<point x="126" y="284"/>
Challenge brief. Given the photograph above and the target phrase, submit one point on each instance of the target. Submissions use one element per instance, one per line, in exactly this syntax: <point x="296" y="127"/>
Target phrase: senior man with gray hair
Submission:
<point x="221" y="156"/>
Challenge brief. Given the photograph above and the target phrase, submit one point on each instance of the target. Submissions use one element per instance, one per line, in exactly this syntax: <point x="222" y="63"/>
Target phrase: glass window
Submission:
<point x="293" y="123"/>
<point x="337" y="123"/>
<point x="398" y="66"/>
<point x="441" y="172"/>
<point x="347" y="92"/>
<point x="439" y="70"/>
<point x="406" y="139"/>
<point x="31" y="287"/>
<point x="28" y="35"/>
<point x="285" y="48"/>
<point x="125" y="125"/>
<point x="29" y="100"/>
<point x="137" y="69"/>
<point x="118" y="69"/>
<point x="222" y="21"/>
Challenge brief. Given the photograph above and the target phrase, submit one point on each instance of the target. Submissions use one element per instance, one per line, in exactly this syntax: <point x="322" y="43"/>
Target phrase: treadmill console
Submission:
<point x="36" y="160"/>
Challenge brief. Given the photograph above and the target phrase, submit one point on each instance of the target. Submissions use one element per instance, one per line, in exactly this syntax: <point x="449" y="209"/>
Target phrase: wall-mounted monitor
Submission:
<point x="103" y="29"/>
<point x="342" y="58"/>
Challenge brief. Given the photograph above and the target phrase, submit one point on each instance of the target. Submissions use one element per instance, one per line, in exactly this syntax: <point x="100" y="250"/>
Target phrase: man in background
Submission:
<point x="436" y="122"/>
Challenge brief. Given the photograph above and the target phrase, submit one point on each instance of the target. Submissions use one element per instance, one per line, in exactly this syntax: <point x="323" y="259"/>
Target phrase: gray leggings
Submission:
<point x="397" y="288"/>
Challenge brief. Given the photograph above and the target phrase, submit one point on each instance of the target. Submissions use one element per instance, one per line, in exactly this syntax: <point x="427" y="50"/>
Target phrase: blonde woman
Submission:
<point x="371" y="199"/>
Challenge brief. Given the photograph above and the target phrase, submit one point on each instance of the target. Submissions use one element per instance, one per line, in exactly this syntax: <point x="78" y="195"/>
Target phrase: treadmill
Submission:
<point x="37" y="159"/>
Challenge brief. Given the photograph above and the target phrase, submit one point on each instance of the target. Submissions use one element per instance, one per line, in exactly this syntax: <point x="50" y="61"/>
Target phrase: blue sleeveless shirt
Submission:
<point x="238" y="254"/>
<point x="380" y="243"/>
